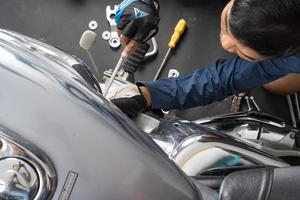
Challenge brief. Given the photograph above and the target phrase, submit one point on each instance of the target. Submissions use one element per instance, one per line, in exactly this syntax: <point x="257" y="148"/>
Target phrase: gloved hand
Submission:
<point x="137" y="21"/>
<point x="129" y="99"/>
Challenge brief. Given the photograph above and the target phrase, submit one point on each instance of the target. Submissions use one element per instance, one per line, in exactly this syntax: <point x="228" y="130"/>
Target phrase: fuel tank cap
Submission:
<point x="18" y="179"/>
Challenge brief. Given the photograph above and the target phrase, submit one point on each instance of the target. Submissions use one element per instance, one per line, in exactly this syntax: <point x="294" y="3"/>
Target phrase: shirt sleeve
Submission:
<point x="217" y="81"/>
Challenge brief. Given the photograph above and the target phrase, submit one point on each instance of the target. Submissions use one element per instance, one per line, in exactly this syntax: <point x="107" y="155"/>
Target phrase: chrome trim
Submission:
<point x="146" y="122"/>
<point x="260" y="130"/>
<point x="185" y="141"/>
<point x="252" y="116"/>
<point x="18" y="179"/>
<point x="175" y="135"/>
<point x="16" y="147"/>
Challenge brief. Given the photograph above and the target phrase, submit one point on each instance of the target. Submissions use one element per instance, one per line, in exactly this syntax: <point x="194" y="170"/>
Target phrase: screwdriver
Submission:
<point x="114" y="74"/>
<point x="179" y="30"/>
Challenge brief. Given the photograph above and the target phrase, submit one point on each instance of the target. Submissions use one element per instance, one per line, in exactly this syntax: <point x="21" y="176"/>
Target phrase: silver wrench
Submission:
<point x="114" y="40"/>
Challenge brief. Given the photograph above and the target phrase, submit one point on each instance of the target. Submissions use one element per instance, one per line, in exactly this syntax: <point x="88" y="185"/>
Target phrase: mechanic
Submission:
<point x="264" y="35"/>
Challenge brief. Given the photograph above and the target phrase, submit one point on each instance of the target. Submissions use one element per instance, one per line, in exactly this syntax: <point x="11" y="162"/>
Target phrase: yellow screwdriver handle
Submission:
<point x="179" y="30"/>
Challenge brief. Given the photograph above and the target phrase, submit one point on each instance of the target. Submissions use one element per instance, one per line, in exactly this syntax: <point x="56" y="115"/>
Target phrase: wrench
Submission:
<point x="114" y="40"/>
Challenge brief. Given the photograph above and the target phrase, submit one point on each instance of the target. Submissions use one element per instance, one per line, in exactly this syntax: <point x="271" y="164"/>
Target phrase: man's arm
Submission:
<point x="217" y="81"/>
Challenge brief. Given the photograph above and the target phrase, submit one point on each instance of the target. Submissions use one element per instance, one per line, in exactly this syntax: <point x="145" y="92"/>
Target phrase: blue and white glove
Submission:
<point x="138" y="19"/>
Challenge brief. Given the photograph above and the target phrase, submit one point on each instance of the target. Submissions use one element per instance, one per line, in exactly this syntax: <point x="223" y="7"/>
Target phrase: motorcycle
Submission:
<point x="61" y="139"/>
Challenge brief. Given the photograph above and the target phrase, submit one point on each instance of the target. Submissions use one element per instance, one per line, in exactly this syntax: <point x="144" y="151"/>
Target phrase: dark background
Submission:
<point x="61" y="23"/>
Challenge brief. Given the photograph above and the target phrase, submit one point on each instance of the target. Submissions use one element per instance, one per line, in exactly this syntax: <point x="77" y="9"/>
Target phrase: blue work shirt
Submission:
<point x="217" y="81"/>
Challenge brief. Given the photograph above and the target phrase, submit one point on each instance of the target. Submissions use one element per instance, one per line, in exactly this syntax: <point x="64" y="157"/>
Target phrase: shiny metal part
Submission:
<point x="155" y="49"/>
<point x="248" y="103"/>
<point x="18" y="180"/>
<point x="26" y="172"/>
<point x="245" y="116"/>
<point x="200" y="154"/>
<point x="146" y="123"/>
<point x="162" y="64"/>
<point x="106" y="35"/>
<point x="255" y="104"/>
<point x="291" y="109"/>
<point x="93" y="25"/>
<point x="173" y="73"/>
<point x="260" y="130"/>
<point x="297" y="105"/>
<point x="77" y="122"/>
<point x="197" y="149"/>
<point x="110" y="81"/>
<point x="114" y="40"/>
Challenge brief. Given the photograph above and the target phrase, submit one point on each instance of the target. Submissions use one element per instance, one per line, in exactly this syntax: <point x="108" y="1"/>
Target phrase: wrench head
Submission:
<point x="111" y="13"/>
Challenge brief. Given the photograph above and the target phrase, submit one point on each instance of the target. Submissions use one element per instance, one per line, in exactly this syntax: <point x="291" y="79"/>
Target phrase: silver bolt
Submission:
<point x="248" y="103"/>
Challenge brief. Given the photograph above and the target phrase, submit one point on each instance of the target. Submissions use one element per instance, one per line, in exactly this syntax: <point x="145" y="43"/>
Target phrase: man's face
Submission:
<point x="230" y="43"/>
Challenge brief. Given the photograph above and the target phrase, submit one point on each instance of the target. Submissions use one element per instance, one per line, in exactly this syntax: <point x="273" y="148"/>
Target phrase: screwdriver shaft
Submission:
<point x="113" y="76"/>
<point x="162" y="64"/>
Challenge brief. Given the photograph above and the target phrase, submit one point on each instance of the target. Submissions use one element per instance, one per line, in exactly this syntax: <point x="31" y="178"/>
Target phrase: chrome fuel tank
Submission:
<point x="93" y="151"/>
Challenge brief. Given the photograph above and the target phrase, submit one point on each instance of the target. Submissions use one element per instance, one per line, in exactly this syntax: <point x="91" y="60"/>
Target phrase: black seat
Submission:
<point x="261" y="184"/>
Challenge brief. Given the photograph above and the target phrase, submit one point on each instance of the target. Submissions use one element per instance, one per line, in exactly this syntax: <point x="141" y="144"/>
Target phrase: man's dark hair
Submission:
<point x="270" y="27"/>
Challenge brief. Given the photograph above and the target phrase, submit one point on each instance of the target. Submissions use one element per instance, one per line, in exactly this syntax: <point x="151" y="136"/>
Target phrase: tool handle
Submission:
<point x="179" y="30"/>
<point x="132" y="62"/>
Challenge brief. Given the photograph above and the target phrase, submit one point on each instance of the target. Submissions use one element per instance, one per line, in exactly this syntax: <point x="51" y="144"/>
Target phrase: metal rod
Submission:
<point x="297" y="105"/>
<point x="291" y="108"/>
<point x="119" y="64"/>
<point x="248" y="103"/>
<point x="255" y="104"/>
<point x="162" y="64"/>
<point x="93" y="64"/>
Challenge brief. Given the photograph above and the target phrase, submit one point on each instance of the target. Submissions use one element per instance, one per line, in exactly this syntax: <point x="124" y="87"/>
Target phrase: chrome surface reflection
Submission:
<point x="263" y="131"/>
<point x="18" y="180"/>
<point x="197" y="149"/>
<point x="26" y="173"/>
<point x="51" y="106"/>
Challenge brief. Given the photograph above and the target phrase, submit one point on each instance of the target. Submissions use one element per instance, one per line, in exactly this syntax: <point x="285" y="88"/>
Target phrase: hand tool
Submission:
<point x="255" y="104"/>
<point x="108" y="85"/>
<point x="134" y="61"/>
<point x="114" y="40"/>
<point x="179" y="30"/>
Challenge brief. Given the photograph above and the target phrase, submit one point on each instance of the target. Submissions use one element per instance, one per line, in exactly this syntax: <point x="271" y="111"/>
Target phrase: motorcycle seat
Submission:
<point x="260" y="184"/>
